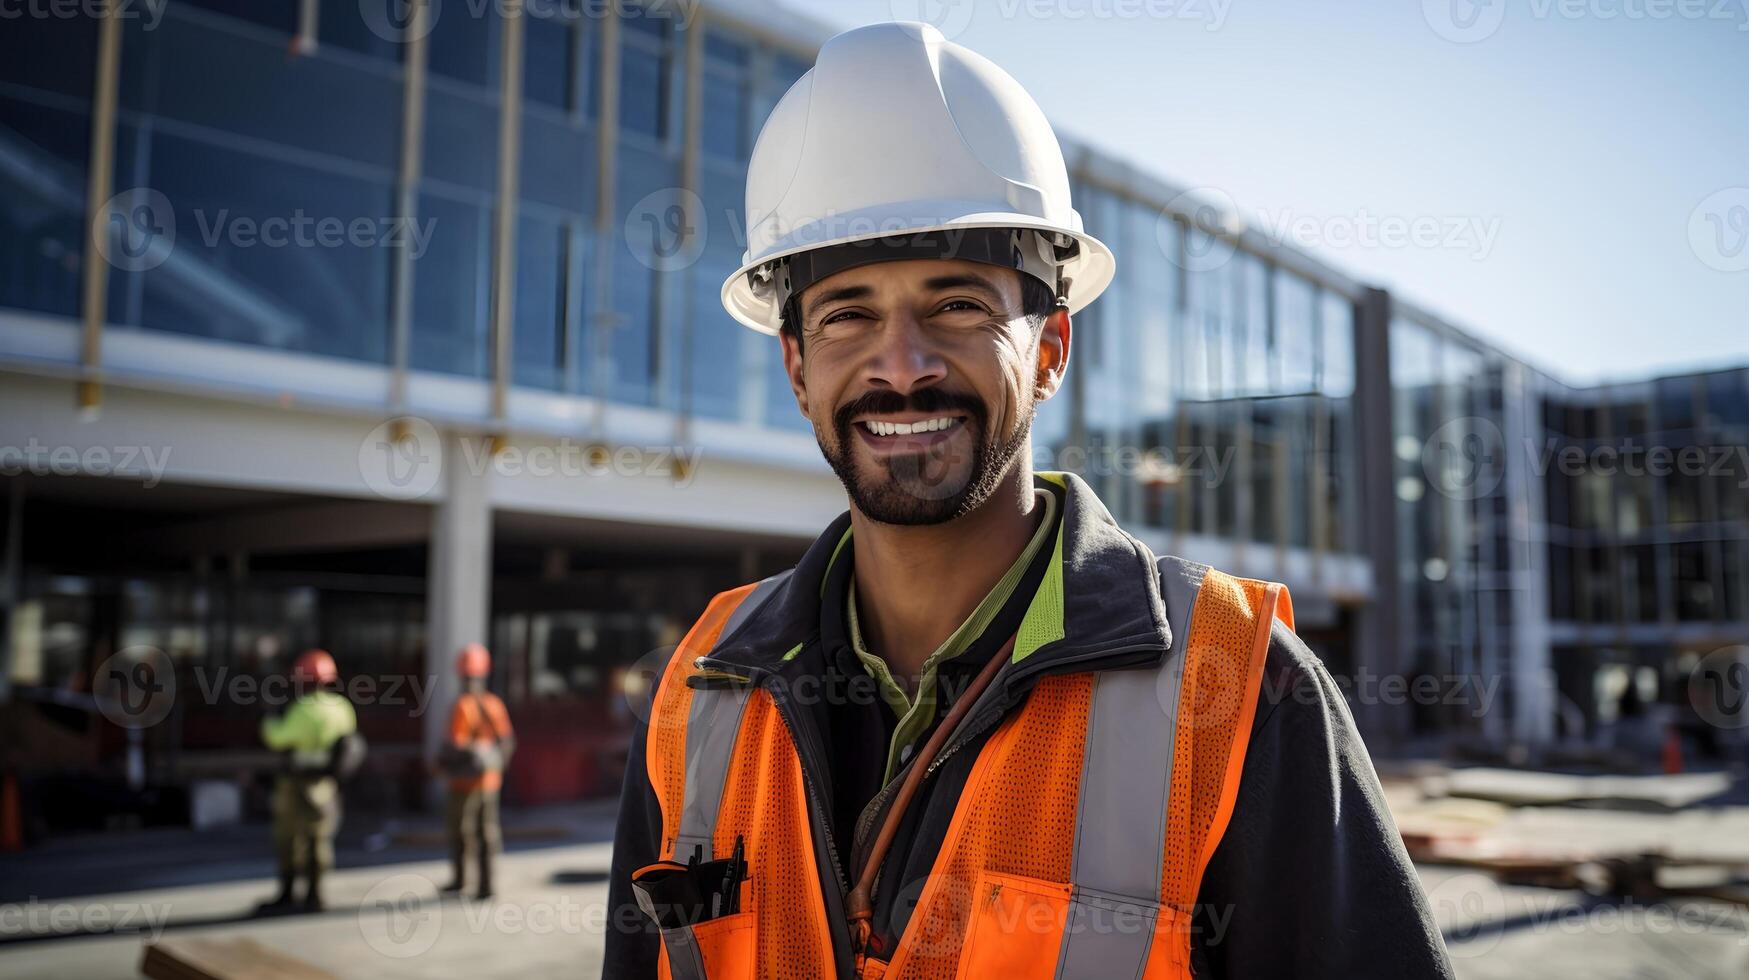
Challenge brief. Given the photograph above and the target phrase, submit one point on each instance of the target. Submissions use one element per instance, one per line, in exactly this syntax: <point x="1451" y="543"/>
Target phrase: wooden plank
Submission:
<point x="224" y="959"/>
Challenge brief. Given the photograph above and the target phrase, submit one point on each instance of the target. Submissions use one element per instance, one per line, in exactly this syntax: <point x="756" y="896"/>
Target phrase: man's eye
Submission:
<point x="958" y="305"/>
<point x="841" y="315"/>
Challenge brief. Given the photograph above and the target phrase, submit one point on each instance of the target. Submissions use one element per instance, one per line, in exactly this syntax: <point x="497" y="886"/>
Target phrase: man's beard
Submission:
<point x="919" y="488"/>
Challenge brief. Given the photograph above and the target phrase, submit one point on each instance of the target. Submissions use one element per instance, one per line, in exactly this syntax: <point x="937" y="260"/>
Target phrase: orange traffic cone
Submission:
<point x="11" y="825"/>
<point x="1672" y="751"/>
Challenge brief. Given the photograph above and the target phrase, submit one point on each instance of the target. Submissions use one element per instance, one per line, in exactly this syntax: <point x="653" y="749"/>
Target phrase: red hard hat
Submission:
<point x="474" y="661"/>
<point x="316" y="666"/>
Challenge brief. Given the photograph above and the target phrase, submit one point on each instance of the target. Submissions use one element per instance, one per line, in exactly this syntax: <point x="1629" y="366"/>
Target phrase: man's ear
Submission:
<point x="792" y="366"/>
<point x="1053" y="353"/>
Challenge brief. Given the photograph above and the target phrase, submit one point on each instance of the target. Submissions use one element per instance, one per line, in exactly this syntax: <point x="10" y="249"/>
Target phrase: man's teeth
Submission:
<point x="909" y="428"/>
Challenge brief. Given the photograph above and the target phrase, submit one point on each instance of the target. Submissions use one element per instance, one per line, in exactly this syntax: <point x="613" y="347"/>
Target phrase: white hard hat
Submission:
<point x="898" y="137"/>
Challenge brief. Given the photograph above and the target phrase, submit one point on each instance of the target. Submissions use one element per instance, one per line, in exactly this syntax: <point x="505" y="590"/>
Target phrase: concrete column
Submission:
<point x="1380" y="648"/>
<point x="458" y="583"/>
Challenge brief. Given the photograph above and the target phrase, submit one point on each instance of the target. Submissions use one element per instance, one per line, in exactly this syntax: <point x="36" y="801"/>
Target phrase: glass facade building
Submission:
<point x="513" y="223"/>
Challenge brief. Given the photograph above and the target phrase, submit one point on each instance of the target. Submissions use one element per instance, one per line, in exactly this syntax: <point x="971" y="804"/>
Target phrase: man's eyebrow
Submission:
<point x="835" y="295"/>
<point x="960" y="280"/>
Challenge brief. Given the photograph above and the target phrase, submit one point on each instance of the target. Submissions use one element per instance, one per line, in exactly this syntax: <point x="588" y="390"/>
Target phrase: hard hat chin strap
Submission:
<point x="1039" y="254"/>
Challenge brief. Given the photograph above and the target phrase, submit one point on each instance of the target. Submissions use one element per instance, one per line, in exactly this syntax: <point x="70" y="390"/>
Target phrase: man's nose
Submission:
<point x="903" y="358"/>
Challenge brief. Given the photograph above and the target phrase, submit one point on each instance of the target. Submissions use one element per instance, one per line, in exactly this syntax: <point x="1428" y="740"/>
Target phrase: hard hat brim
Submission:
<point x="1090" y="270"/>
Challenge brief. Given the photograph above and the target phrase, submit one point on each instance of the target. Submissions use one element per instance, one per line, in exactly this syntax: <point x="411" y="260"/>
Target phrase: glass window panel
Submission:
<point x="372" y="27"/>
<point x="204" y="73"/>
<point x="461" y="139"/>
<point x="281" y="15"/>
<point x="452" y="287"/>
<point x="543" y="251"/>
<point x="266" y="251"/>
<point x="643" y="94"/>
<point x="1295" y="332"/>
<point x="42" y="205"/>
<point x="464" y="44"/>
<point x="49" y="54"/>
<point x="550" y="69"/>
<point x="558" y="163"/>
<point x="1336" y="335"/>
<point x="724" y="126"/>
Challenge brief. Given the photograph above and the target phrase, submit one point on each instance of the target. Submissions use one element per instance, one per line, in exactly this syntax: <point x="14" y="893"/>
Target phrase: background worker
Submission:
<point x="306" y="797"/>
<point x="480" y="744"/>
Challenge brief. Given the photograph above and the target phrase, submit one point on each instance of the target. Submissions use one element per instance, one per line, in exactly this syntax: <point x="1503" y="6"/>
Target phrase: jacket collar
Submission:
<point x="1100" y="595"/>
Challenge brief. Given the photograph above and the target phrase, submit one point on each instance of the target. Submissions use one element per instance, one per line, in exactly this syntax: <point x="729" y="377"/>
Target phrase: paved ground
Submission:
<point x="385" y="920"/>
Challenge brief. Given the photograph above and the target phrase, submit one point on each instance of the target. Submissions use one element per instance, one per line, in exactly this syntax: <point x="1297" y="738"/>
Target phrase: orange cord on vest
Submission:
<point x="859" y="907"/>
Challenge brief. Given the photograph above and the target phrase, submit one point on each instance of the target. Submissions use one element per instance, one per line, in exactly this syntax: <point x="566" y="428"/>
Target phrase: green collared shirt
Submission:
<point x="916" y="715"/>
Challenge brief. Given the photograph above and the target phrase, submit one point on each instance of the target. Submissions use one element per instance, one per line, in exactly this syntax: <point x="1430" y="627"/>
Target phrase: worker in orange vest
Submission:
<point x="979" y="730"/>
<point x="480" y="744"/>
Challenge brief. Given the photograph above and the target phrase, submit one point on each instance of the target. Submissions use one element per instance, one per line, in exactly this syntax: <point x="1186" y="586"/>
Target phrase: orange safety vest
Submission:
<point x="1076" y="848"/>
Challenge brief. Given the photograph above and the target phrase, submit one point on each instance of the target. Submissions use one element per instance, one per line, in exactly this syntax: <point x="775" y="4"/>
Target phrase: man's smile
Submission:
<point x="896" y="434"/>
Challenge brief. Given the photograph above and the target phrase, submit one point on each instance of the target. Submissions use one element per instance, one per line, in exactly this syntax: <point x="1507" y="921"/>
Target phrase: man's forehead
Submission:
<point x="901" y="277"/>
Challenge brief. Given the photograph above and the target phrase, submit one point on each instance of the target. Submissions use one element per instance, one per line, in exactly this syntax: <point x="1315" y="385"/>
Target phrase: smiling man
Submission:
<point x="979" y="730"/>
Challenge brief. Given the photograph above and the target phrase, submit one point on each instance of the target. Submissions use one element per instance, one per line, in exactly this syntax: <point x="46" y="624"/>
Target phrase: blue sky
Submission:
<point x="1575" y="174"/>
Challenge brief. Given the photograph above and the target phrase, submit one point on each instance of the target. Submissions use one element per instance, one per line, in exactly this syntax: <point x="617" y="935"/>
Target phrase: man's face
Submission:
<point x="921" y="378"/>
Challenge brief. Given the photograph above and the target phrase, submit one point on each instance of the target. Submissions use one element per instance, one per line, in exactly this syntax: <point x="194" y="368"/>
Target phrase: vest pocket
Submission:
<point x="1026" y="929"/>
<point x="1016" y="928"/>
<point x="719" y="949"/>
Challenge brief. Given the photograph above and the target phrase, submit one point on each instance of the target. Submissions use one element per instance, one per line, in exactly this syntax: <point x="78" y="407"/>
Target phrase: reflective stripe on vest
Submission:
<point x="1126" y="775"/>
<point x="708" y="744"/>
<point x="1122" y="829"/>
